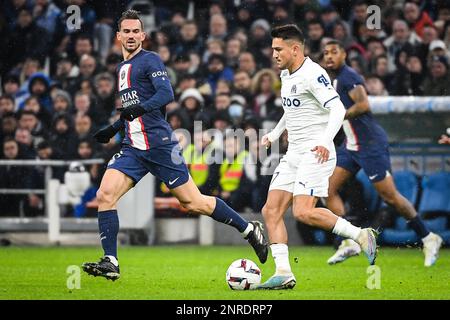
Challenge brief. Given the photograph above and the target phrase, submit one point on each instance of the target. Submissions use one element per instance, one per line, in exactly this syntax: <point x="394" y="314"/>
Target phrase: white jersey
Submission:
<point x="305" y="94"/>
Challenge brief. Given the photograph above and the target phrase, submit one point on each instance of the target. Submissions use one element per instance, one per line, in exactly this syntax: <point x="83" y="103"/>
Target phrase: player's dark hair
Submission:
<point x="130" y="14"/>
<point x="337" y="43"/>
<point x="288" y="32"/>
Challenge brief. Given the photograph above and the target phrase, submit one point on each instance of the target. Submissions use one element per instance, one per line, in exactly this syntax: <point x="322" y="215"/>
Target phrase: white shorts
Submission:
<point x="303" y="175"/>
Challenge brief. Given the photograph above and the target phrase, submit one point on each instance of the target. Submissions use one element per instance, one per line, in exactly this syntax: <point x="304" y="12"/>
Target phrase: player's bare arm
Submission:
<point x="361" y="106"/>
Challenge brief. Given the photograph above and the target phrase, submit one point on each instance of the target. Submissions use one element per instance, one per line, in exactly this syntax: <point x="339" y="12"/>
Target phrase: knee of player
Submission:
<point x="302" y="214"/>
<point x="271" y="214"/>
<point x="195" y="206"/>
<point x="105" y="196"/>
<point x="390" y="198"/>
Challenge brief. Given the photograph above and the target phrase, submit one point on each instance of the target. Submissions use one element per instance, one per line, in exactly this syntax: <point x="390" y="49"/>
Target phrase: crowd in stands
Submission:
<point x="58" y="83"/>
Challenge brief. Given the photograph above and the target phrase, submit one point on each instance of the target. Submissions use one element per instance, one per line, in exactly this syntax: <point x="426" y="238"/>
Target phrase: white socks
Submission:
<point x="345" y="229"/>
<point x="247" y="230"/>
<point x="113" y="260"/>
<point x="280" y="254"/>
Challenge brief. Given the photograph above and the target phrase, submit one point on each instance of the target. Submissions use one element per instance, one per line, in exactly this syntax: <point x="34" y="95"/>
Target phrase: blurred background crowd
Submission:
<point x="58" y="84"/>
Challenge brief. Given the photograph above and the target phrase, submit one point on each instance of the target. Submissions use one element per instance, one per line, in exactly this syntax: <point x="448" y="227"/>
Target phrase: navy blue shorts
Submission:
<point x="375" y="163"/>
<point x="165" y="162"/>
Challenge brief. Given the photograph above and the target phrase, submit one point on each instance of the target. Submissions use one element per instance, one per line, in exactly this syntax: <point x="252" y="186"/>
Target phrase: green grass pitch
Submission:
<point x="194" y="272"/>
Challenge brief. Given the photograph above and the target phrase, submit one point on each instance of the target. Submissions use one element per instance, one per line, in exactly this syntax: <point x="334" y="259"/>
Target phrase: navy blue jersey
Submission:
<point x="143" y="80"/>
<point x="362" y="132"/>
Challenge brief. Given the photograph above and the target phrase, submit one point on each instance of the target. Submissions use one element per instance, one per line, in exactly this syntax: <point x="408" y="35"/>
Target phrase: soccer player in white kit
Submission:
<point x="313" y="114"/>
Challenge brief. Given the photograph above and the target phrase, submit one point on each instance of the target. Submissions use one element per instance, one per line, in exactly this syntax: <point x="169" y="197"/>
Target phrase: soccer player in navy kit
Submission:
<point x="366" y="147"/>
<point x="148" y="146"/>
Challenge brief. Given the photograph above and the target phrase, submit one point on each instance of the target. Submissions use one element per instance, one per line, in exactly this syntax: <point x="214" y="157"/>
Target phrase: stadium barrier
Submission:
<point x="136" y="209"/>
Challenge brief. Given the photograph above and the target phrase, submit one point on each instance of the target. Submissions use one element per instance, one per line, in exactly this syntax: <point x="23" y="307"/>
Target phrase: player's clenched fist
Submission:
<point x="265" y="141"/>
<point x="105" y="134"/>
<point x="132" y="112"/>
<point x="322" y="153"/>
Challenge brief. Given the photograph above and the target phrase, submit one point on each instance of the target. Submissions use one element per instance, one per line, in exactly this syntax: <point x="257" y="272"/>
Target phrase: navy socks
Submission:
<point x="419" y="227"/>
<point x="223" y="213"/>
<point x="108" y="225"/>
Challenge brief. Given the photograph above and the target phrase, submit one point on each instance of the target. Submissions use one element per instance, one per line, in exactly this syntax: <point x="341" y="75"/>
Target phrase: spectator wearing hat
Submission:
<point x="181" y="65"/>
<point x="104" y="98"/>
<point x="221" y="120"/>
<point x="437" y="48"/>
<point x="217" y="69"/>
<point x="11" y="87"/>
<point x="63" y="138"/>
<point x="62" y="102"/>
<point x="191" y="102"/>
<point x="437" y="83"/>
<point x="39" y="86"/>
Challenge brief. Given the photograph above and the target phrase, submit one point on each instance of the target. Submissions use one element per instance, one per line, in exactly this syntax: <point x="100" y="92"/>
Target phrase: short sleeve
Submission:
<point x="322" y="89"/>
<point x="352" y="81"/>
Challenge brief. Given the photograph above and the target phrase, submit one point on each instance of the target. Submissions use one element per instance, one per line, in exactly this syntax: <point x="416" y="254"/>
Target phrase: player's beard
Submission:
<point x="131" y="51"/>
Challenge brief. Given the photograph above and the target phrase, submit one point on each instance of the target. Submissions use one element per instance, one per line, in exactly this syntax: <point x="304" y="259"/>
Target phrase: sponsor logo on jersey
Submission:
<point x="159" y="74"/>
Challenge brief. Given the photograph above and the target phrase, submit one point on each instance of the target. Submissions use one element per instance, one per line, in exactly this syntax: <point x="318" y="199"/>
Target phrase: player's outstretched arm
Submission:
<point x="273" y="135"/>
<point x="359" y="97"/>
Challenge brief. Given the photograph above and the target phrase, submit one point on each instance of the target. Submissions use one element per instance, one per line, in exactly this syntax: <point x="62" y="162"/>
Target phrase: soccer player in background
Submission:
<point x="366" y="146"/>
<point x="313" y="114"/>
<point x="148" y="146"/>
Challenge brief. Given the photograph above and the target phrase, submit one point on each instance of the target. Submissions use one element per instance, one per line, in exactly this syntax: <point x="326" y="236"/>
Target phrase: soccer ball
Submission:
<point x="243" y="274"/>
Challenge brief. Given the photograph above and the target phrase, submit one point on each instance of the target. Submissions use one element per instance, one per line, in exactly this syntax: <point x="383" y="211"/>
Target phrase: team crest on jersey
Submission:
<point x="294" y="89"/>
<point x="125" y="77"/>
<point x="323" y="80"/>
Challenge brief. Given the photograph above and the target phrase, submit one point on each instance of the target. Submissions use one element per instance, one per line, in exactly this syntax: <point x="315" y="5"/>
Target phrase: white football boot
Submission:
<point x="431" y="245"/>
<point x="368" y="241"/>
<point x="348" y="248"/>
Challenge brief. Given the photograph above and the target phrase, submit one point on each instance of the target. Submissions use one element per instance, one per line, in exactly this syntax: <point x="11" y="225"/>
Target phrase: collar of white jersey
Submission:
<point x="290" y="74"/>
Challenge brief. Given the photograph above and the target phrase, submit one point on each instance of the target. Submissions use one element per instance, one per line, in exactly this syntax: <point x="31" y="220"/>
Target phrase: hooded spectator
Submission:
<point x="438" y="81"/>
